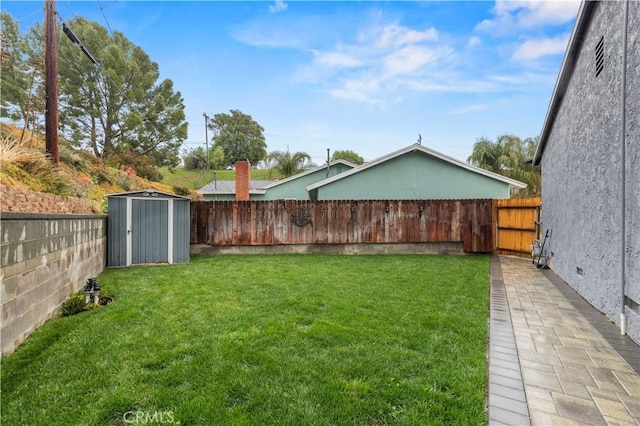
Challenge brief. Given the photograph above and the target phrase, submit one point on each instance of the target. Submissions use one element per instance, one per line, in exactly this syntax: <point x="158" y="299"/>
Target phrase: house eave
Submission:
<point x="564" y="76"/>
<point x="425" y="150"/>
<point x="308" y="172"/>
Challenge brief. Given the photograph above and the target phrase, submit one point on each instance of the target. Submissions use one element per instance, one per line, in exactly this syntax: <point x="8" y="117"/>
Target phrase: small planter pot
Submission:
<point x="105" y="300"/>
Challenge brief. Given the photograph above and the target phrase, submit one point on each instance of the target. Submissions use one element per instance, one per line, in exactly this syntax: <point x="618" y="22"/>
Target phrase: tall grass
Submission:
<point x="22" y="154"/>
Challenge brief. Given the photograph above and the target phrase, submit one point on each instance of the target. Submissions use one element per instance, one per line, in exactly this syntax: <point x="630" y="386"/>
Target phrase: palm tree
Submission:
<point x="509" y="156"/>
<point x="288" y="164"/>
<point x="486" y="155"/>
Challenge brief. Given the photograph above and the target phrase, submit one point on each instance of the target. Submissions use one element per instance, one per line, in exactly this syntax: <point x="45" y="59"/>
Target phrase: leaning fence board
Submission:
<point x="343" y="222"/>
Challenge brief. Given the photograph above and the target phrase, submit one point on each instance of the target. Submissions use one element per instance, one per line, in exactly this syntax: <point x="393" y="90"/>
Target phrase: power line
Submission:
<point x="76" y="41"/>
<point x="91" y="13"/>
<point x="30" y="14"/>
<point x="105" y="18"/>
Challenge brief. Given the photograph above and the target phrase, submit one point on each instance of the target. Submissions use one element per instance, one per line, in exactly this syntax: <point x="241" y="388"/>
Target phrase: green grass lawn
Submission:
<point x="271" y="339"/>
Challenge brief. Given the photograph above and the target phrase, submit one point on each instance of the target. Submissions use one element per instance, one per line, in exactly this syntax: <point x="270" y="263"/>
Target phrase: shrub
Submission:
<point x="73" y="305"/>
<point x="68" y="156"/>
<point x="104" y="206"/>
<point x="90" y="307"/>
<point x="125" y="181"/>
<point x="104" y="292"/>
<point x="141" y="164"/>
<point x="180" y="190"/>
<point x="195" y="159"/>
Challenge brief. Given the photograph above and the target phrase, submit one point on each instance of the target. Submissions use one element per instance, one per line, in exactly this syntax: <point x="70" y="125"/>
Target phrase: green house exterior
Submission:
<point x="414" y="172"/>
<point x="294" y="187"/>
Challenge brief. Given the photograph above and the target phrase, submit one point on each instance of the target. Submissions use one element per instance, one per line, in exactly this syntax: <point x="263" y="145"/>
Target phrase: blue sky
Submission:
<point x="364" y="76"/>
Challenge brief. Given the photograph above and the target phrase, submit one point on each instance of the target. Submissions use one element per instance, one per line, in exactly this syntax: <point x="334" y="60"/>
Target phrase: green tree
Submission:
<point x="347" y="155"/>
<point x="22" y="70"/>
<point x="13" y="68"/>
<point x="288" y="164"/>
<point x="239" y="137"/>
<point x="158" y="126"/>
<point x="509" y="156"/>
<point x="216" y="158"/>
<point x="117" y="106"/>
<point x="197" y="158"/>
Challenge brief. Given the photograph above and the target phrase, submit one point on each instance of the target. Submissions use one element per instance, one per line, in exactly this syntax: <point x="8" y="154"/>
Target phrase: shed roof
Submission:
<point x="146" y="193"/>
<point x="425" y="150"/>
<point x="566" y="71"/>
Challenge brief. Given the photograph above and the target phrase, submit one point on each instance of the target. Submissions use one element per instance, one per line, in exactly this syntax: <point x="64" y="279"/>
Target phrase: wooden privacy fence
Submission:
<point x="517" y="225"/>
<point x="228" y="223"/>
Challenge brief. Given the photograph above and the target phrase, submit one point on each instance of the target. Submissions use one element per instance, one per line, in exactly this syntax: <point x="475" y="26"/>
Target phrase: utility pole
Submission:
<point x="206" y="137"/>
<point x="51" y="82"/>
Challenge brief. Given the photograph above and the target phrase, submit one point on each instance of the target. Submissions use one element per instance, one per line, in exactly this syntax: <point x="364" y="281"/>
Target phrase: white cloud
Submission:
<point x="514" y="15"/>
<point x="537" y="48"/>
<point x="410" y="59"/>
<point x="471" y="108"/>
<point x="394" y="35"/>
<point x="540" y="12"/>
<point x="336" y="59"/>
<point x="382" y="62"/>
<point x="525" y="79"/>
<point x="377" y="64"/>
<point x="473" y="41"/>
<point x="262" y="37"/>
<point x="278" y="6"/>
<point x="358" y="89"/>
<point x="453" y="85"/>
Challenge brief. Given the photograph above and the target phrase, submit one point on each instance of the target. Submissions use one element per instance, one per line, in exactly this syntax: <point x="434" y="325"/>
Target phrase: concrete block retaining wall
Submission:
<point x="44" y="258"/>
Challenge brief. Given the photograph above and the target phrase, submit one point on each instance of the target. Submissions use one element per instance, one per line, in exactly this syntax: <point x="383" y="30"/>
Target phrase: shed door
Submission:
<point x="149" y="231"/>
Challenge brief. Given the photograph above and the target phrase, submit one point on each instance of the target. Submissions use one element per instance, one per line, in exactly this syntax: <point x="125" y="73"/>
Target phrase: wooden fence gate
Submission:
<point x="517" y="225"/>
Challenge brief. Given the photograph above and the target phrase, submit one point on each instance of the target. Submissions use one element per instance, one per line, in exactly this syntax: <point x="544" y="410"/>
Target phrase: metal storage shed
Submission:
<point x="147" y="227"/>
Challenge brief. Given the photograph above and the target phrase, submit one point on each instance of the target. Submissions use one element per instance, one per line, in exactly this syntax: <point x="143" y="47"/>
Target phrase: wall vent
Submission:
<point x="632" y="304"/>
<point x="580" y="272"/>
<point x="600" y="56"/>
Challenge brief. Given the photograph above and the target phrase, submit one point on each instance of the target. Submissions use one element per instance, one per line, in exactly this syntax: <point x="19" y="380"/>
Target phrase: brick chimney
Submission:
<point x="243" y="180"/>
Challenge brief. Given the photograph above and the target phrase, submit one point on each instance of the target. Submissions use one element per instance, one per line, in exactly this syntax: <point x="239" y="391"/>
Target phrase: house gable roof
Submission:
<point x="427" y="151"/>
<point x="566" y="71"/>
<point x="308" y="172"/>
<point x="261" y="186"/>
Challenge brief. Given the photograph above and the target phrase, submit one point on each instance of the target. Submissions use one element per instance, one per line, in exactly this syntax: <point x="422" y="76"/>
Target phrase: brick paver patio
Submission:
<point x="550" y="363"/>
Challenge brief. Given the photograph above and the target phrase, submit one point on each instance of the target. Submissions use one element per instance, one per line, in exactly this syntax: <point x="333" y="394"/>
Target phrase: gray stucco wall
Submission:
<point x="633" y="164"/>
<point x="45" y="258"/>
<point x="581" y="168"/>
